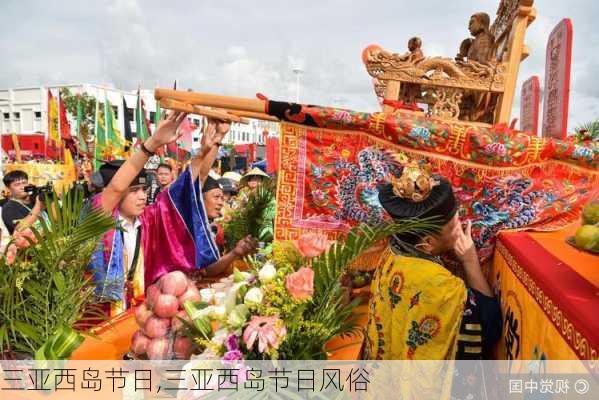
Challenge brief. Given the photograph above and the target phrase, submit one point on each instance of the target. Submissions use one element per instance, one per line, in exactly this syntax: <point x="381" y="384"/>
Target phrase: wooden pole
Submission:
<point x="212" y="100"/>
<point x="195" y="109"/>
<point x="255" y="115"/>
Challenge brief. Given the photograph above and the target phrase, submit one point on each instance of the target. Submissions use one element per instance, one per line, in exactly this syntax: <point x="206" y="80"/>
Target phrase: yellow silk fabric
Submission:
<point x="415" y="310"/>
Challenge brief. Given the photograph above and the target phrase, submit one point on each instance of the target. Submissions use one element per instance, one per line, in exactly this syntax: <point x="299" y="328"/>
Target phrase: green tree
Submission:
<point x="88" y="106"/>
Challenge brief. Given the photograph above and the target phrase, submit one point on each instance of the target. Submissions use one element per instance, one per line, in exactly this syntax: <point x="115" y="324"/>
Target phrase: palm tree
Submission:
<point x="47" y="288"/>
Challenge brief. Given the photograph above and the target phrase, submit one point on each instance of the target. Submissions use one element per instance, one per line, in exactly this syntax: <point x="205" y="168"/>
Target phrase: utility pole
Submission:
<point x="298" y="71"/>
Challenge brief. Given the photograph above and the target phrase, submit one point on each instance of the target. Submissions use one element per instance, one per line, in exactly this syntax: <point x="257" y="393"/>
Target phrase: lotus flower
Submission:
<point x="267" y="273"/>
<point x="241" y="276"/>
<point x="312" y="245"/>
<point x="238" y="316"/>
<point x="300" y="284"/>
<point x="268" y="331"/>
<point x="253" y="296"/>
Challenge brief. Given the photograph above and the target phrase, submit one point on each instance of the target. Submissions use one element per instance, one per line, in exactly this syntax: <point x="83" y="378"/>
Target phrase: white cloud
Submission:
<point x="240" y="48"/>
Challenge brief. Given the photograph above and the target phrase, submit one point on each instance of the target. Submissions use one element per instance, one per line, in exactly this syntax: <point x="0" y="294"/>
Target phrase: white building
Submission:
<point x="25" y="111"/>
<point x="252" y="132"/>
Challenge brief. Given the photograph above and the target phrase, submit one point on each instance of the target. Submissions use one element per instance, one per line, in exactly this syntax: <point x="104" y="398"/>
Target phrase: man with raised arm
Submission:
<point x="171" y="234"/>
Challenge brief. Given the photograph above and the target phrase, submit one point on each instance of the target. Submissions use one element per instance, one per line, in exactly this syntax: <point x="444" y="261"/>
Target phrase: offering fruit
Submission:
<point x="590" y="213"/>
<point x="152" y="293"/>
<point x="156" y="327"/>
<point x="166" y="306"/>
<point x="176" y="321"/>
<point x="587" y="237"/>
<point x="159" y="318"/>
<point x="182" y="348"/>
<point x="158" y="349"/>
<point x="142" y="314"/>
<point x="174" y="283"/>
<point x="139" y="343"/>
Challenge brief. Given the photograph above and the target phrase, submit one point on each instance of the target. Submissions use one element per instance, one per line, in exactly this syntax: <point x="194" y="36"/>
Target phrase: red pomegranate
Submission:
<point x="176" y="321"/>
<point x="166" y="306"/>
<point x="152" y="293"/>
<point x="142" y="314"/>
<point x="139" y="343"/>
<point x="158" y="349"/>
<point x="191" y="294"/>
<point x="174" y="283"/>
<point x="156" y="327"/>
<point x="182" y="348"/>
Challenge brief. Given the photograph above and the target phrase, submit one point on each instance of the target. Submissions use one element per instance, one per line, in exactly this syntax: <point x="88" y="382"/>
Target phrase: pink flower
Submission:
<point x="21" y="238"/>
<point x="269" y="331"/>
<point x="11" y="254"/>
<point x="300" y="284"/>
<point x="495" y="148"/>
<point x="319" y="197"/>
<point x="312" y="244"/>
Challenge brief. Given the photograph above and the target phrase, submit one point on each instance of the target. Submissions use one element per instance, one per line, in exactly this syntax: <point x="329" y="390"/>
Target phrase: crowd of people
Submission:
<point x="169" y="221"/>
<point x="165" y="220"/>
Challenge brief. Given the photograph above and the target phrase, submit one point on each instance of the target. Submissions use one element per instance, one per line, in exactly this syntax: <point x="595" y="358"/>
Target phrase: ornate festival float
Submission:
<point x="524" y="195"/>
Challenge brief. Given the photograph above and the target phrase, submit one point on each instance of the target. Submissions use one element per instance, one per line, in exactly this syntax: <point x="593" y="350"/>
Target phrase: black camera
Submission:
<point x="39" y="191"/>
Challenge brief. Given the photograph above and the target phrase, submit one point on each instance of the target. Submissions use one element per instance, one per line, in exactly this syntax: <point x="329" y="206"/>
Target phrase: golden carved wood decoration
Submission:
<point x="496" y="78"/>
<point x="447" y="105"/>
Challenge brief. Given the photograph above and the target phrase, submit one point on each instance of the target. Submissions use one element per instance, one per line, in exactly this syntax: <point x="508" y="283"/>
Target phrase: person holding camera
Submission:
<point x="21" y="209"/>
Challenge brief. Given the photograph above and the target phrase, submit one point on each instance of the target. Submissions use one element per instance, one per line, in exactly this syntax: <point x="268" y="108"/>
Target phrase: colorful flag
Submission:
<point x="100" y="137"/>
<point x="68" y="160"/>
<point x="157" y="115"/>
<point x="181" y="149"/>
<point x="80" y="137"/>
<point x="65" y="126"/>
<point x="53" y="134"/>
<point x="141" y="121"/>
<point x="128" y="132"/>
<point x="186" y="129"/>
<point x="114" y="139"/>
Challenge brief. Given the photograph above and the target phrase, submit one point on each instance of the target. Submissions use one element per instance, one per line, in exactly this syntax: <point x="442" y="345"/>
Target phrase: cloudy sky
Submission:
<point x="243" y="47"/>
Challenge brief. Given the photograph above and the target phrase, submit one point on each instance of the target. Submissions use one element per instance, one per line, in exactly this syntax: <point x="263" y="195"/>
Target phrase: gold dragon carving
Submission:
<point x="445" y="82"/>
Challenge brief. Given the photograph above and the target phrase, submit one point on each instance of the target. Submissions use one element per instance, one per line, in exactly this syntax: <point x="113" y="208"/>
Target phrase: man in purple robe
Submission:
<point x="171" y="234"/>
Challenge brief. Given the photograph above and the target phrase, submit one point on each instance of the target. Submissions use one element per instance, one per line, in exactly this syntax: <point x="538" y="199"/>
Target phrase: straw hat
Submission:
<point x="254" y="172"/>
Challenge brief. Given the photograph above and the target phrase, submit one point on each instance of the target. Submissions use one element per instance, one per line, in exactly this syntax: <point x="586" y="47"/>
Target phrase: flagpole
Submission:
<point x="60" y="155"/>
<point x="78" y="123"/>
<point x="47" y="129"/>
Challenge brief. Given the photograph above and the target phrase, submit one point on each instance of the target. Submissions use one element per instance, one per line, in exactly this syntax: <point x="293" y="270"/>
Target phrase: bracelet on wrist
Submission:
<point x="147" y="151"/>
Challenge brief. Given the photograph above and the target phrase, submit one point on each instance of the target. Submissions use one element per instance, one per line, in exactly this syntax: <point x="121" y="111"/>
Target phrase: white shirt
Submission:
<point x="129" y="239"/>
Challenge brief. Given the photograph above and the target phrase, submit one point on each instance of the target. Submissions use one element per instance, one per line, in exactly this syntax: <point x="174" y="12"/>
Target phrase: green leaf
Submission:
<point x="28" y="330"/>
<point x="59" y="281"/>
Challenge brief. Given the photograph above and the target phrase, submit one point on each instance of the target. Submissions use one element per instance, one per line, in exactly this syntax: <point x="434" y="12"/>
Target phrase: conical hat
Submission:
<point x="254" y="172"/>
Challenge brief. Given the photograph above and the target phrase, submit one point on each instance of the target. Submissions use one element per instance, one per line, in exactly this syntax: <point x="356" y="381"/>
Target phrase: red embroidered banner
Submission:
<point x="328" y="182"/>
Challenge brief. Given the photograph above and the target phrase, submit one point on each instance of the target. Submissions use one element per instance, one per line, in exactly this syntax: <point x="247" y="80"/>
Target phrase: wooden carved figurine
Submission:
<point x="411" y="92"/>
<point x="482" y="46"/>
<point x="415" y="53"/>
